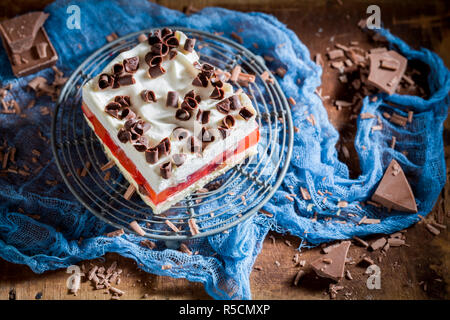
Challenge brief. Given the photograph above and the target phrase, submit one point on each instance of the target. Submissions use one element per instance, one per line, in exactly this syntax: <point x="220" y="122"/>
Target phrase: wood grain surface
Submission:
<point x="417" y="271"/>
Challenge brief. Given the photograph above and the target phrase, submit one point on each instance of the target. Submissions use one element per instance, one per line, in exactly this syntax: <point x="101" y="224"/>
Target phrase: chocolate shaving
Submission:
<point x="224" y="132"/>
<point x="105" y="81"/>
<point x="223" y="106"/>
<point x="201" y="80"/>
<point x="172" y="42"/>
<point x="131" y="65"/>
<point x="124" y="101"/>
<point x="126" y="80"/>
<point x="163" y="147"/>
<point x="172" y="54"/>
<point x="123" y="135"/>
<point x="151" y="155"/>
<point x="172" y="99"/>
<point x="156" y="71"/>
<point x="245" y="113"/>
<point x="148" y="96"/>
<point x="228" y="121"/>
<point x="182" y="115"/>
<point x="205" y="115"/>
<point x="193" y="227"/>
<point x="154" y="37"/>
<point x="217" y="94"/>
<point x="160" y="49"/>
<point x="235" y="102"/>
<point x="189" y="104"/>
<point x="113" y="109"/>
<point x="126" y="113"/>
<point x="141" y="144"/>
<point x="166" y="170"/>
<point x="153" y="59"/>
<point x="189" y="44"/>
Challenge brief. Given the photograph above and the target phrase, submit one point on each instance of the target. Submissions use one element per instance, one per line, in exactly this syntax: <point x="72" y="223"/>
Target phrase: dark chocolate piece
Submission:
<point x="182" y="115"/>
<point x="113" y="109"/>
<point x="151" y="155"/>
<point x="205" y="116"/>
<point x="172" y="54"/>
<point x="178" y="159"/>
<point x="124" y="101"/>
<point x="166" y="170"/>
<point x="332" y="264"/>
<point x="386" y="79"/>
<point x="117" y="68"/>
<point x="224" y="132"/>
<point x="235" y="102"/>
<point x="126" y="113"/>
<point x="154" y="37"/>
<point x="172" y="99"/>
<point x="163" y="147"/>
<point x="200" y="81"/>
<point x="123" y="135"/>
<point x="189" y="44"/>
<point x="189" y="104"/>
<point x="394" y="191"/>
<point x="245" y="113"/>
<point x="148" y="96"/>
<point x="131" y="65"/>
<point x="141" y="144"/>
<point x="27" y="44"/>
<point x="216" y="83"/>
<point x="193" y="95"/>
<point x="160" y="49"/>
<point x="155" y="72"/>
<point x="172" y="42"/>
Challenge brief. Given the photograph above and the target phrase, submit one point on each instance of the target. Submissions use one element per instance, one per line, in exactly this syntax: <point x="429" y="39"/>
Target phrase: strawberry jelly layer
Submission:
<point x="157" y="198"/>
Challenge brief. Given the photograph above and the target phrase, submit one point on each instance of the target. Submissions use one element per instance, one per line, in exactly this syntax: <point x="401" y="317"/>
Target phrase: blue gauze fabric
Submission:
<point x="224" y="262"/>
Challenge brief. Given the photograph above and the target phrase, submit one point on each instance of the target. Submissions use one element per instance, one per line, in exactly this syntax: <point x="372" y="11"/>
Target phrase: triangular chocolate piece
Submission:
<point x="331" y="265"/>
<point x="19" y="32"/>
<point x="394" y="191"/>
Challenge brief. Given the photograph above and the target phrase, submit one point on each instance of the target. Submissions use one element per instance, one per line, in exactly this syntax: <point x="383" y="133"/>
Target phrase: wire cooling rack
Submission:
<point x="230" y="199"/>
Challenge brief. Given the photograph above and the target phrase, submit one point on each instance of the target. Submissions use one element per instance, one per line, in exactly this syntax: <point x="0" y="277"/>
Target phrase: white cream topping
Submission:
<point x="179" y="75"/>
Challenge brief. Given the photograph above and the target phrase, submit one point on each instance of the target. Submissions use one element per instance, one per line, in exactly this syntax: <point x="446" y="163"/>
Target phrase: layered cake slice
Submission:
<point x="170" y="123"/>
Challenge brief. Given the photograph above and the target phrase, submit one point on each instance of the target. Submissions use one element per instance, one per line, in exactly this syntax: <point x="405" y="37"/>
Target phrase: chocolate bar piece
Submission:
<point x="386" y="70"/>
<point x="332" y="264"/>
<point x="394" y="191"/>
<point x="27" y="44"/>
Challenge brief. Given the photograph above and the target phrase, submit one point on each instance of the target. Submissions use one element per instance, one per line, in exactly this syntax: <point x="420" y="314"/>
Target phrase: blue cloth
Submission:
<point x="224" y="261"/>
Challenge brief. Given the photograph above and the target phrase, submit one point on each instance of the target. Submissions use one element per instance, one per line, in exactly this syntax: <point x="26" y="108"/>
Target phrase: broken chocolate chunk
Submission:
<point x="245" y="113"/>
<point x="148" y="96"/>
<point x="151" y="155"/>
<point x="178" y="159"/>
<point x="156" y="71"/>
<point x="386" y="79"/>
<point x="166" y="170"/>
<point x="394" y="191"/>
<point x="131" y="65"/>
<point x="189" y="44"/>
<point x="332" y="264"/>
<point x="172" y="99"/>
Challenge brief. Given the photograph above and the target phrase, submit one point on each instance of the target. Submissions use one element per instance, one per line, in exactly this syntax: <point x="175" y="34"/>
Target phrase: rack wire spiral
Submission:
<point x="240" y="193"/>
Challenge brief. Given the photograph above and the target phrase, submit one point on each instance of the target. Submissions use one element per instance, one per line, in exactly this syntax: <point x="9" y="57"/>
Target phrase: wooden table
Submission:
<point x="405" y="271"/>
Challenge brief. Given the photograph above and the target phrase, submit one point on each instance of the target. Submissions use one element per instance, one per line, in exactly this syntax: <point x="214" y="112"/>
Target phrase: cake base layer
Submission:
<point x="164" y="200"/>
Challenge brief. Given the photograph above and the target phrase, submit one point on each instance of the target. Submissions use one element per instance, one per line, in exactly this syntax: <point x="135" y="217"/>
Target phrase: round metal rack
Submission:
<point x="229" y="200"/>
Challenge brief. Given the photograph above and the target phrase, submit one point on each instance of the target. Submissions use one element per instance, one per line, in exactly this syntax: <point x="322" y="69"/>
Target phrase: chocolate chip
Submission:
<point x="117" y="68"/>
<point x="194" y="144"/>
<point x="182" y="115"/>
<point x="217" y="94"/>
<point x="172" y="54"/>
<point x="205" y="116"/>
<point x="105" y="81"/>
<point x="245" y="113"/>
<point x="178" y="159"/>
<point x="166" y="170"/>
<point x="113" y="109"/>
<point x="124" y="101"/>
<point x="123" y="135"/>
<point x="180" y="133"/>
<point x="155" y="72"/>
<point x="126" y="80"/>
<point x="228" y="121"/>
<point x="148" y="96"/>
<point x="153" y="59"/>
<point x="141" y="144"/>
<point x="151" y="155"/>
<point x="235" y="102"/>
<point x="131" y="65"/>
<point x="223" y="106"/>
<point x="189" y="44"/>
<point x="224" y="132"/>
<point x="172" y="99"/>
